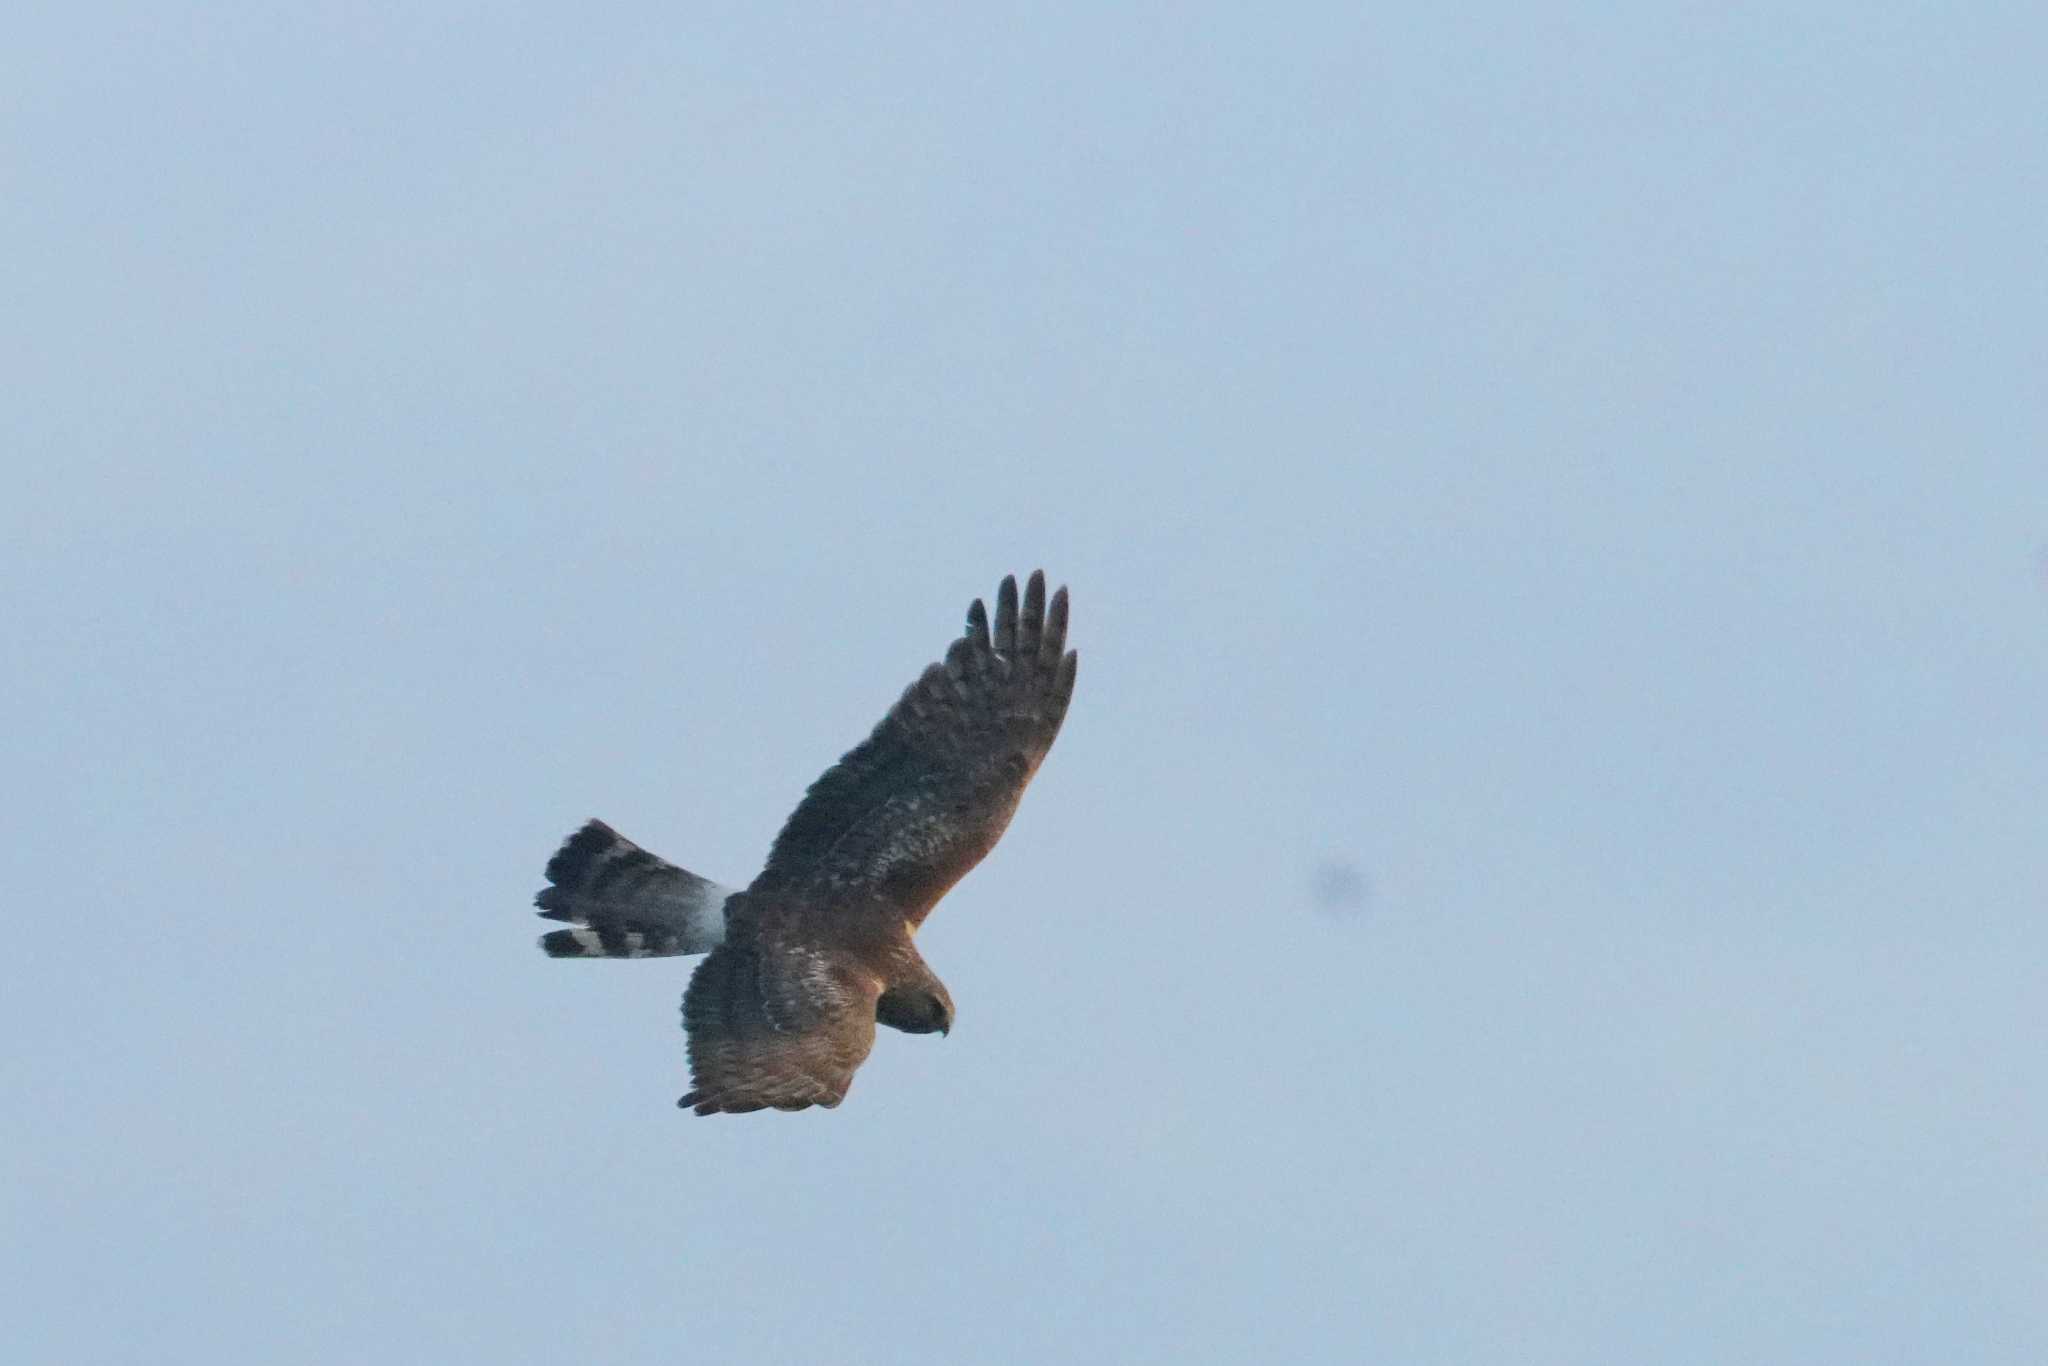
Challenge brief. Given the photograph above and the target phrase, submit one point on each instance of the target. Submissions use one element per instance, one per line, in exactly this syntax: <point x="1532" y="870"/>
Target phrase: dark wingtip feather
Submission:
<point x="1032" y="618"/>
<point x="1006" y="615"/>
<point x="977" y="623"/>
<point x="1055" y="638"/>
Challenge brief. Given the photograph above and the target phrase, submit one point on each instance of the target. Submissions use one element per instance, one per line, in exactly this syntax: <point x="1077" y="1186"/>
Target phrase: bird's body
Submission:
<point x="818" y="949"/>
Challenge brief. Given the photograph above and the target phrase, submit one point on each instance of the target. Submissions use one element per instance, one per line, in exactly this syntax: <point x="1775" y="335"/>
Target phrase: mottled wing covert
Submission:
<point x="775" y="1026"/>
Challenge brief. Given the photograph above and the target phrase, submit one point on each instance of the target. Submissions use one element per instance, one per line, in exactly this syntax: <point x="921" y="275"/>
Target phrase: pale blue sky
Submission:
<point x="1586" y="471"/>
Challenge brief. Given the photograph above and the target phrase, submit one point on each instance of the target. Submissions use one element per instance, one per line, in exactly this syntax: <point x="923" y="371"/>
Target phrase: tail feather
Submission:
<point x="633" y="904"/>
<point x="610" y="942"/>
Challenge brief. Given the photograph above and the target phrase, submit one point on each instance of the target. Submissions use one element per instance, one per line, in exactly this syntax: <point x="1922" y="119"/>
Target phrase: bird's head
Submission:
<point x="916" y="1008"/>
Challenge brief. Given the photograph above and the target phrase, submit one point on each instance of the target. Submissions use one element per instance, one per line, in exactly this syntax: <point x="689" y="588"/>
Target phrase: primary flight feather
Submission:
<point x="817" y="950"/>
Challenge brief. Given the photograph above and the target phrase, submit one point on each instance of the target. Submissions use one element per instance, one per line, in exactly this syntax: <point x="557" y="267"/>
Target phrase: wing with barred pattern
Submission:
<point x="906" y="813"/>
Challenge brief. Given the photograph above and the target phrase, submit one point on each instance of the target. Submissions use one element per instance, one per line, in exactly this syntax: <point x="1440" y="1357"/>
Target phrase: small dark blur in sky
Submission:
<point x="1341" y="888"/>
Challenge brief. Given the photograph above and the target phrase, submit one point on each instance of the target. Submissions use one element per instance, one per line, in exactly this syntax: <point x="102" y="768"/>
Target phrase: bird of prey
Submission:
<point x="818" y="949"/>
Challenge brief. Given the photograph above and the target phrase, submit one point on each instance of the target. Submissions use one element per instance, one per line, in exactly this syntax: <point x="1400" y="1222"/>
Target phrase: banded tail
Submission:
<point x="630" y="903"/>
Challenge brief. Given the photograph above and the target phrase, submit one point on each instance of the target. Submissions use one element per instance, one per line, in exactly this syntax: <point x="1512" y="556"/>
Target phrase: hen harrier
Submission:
<point x="808" y="958"/>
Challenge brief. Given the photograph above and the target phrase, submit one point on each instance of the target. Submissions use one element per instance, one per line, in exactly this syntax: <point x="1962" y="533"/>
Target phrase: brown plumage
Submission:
<point x="818" y="949"/>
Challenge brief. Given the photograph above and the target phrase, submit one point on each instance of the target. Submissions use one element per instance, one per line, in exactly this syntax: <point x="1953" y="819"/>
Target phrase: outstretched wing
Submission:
<point x="781" y="1026"/>
<point x="909" y="810"/>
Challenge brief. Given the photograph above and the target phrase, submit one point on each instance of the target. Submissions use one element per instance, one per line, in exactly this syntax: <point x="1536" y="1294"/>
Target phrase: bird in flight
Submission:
<point x="818" y="949"/>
